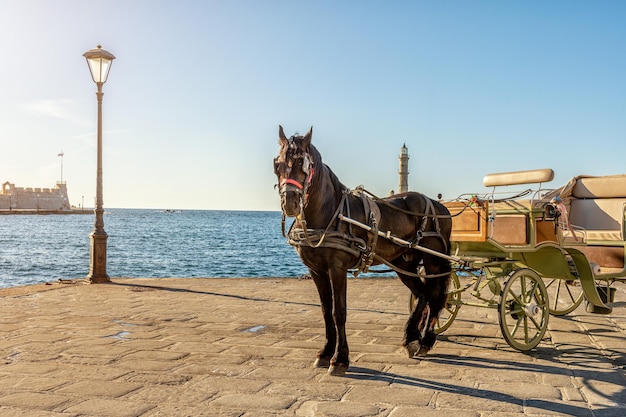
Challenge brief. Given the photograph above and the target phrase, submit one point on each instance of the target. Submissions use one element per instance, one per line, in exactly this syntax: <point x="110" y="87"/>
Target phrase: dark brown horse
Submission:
<point x="330" y="246"/>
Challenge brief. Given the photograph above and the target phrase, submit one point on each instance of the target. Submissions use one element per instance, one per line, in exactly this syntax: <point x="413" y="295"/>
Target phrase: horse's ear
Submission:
<point x="307" y="138"/>
<point x="281" y="135"/>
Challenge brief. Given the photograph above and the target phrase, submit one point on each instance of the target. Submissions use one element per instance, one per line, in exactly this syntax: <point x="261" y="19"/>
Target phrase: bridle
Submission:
<point x="289" y="184"/>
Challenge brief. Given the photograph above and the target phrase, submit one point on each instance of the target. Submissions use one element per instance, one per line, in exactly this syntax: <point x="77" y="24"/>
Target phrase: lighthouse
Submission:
<point x="403" y="185"/>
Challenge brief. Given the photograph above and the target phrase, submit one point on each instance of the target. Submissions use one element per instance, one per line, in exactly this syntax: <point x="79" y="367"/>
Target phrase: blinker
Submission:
<point x="306" y="163"/>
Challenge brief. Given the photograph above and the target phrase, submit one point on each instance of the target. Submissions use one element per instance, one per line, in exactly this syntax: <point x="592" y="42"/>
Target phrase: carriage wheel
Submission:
<point x="523" y="309"/>
<point x="450" y="309"/>
<point x="565" y="296"/>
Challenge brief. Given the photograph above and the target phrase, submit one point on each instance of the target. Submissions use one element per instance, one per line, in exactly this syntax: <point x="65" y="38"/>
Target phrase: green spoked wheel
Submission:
<point x="564" y="295"/>
<point x="523" y="309"/>
<point x="450" y="309"/>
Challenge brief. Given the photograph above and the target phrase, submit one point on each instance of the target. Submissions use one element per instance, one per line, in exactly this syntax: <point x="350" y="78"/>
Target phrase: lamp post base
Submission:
<point x="98" y="258"/>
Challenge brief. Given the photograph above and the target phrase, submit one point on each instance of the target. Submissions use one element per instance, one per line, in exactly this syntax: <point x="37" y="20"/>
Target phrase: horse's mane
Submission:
<point x="320" y="167"/>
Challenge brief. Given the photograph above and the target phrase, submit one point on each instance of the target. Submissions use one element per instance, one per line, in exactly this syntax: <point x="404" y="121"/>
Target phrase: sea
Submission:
<point x="144" y="243"/>
<point x="147" y="244"/>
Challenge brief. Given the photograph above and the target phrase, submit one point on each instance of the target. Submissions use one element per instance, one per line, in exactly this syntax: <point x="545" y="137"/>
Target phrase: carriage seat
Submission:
<point x="597" y="205"/>
<point x="510" y="226"/>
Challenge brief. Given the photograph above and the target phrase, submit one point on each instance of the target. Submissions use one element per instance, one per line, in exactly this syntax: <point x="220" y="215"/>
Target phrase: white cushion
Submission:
<point x="611" y="186"/>
<point x="601" y="217"/>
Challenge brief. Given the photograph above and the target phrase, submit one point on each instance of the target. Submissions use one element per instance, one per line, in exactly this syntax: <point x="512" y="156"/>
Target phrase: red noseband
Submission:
<point x="296" y="183"/>
<point x="292" y="182"/>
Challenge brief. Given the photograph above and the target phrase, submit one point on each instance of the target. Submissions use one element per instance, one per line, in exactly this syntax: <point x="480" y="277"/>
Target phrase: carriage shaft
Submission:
<point x="399" y="241"/>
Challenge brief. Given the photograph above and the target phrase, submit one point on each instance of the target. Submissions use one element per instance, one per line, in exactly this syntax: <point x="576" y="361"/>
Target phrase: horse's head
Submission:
<point x="294" y="168"/>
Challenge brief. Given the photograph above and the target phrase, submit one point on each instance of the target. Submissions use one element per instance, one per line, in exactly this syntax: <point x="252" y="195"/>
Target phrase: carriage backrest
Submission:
<point x="612" y="186"/>
<point x="597" y="204"/>
<point x="518" y="177"/>
<point x="597" y="213"/>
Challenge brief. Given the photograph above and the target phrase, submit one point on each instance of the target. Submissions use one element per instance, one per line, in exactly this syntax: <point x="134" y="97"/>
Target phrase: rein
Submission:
<point x="305" y="230"/>
<point x="403" y="272"/>
<point x="365" y="252"/>
<point x="432" y="215"/>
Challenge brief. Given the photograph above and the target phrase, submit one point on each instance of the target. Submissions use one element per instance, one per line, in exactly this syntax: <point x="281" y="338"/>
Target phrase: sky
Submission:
<point x="198" y="88"/>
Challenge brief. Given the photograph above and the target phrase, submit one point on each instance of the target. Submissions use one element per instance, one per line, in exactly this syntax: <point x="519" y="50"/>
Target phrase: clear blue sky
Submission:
<point x="194" y="99"/>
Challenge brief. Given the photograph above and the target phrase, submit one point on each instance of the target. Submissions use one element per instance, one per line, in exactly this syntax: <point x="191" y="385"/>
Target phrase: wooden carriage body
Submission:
<point x="575" y="232"/>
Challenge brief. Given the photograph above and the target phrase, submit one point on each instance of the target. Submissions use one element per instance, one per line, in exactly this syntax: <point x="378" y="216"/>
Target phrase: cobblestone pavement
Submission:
<point x="244" y="347"/>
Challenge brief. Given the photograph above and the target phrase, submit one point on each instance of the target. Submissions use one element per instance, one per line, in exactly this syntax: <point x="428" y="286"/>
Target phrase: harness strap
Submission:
<point x="412" y="213"/>
<point x="345" y="205"/>
<point x="316" y="238"/>
<point x="305" y="230"/>
<point x="410" y="274"/>
<point x="372" y="213"/>
<point x="430" y="214"/>
<point x="364" y="251"/>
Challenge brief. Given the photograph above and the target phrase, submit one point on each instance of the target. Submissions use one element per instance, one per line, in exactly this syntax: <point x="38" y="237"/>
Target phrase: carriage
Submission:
<point x="536" y="253"/>
<point x="527" y="254"/>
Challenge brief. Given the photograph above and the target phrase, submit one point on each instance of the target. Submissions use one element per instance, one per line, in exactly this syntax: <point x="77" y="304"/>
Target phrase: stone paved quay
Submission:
<point x="244" y="347"/>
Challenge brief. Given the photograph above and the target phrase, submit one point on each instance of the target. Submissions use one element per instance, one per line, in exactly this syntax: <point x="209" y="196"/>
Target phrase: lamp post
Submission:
<point x="99" y="62"/>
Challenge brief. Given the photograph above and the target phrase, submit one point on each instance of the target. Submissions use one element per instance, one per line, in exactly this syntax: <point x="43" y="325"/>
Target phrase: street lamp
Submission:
<point x="99" y="62"/>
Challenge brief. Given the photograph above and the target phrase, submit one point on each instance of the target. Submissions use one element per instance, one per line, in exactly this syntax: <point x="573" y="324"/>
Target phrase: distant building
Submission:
<point x="20" y="198"/>
<point x="403" y="185"/>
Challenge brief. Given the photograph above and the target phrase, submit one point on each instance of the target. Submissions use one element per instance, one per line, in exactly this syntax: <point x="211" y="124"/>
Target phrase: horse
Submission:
<point x="337" y="230"/>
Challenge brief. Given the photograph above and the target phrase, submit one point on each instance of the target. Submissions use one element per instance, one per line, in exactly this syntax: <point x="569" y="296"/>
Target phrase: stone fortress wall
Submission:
<point x="20" y="198"/>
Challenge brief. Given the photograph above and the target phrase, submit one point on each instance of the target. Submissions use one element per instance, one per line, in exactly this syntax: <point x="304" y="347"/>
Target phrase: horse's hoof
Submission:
<point x="321" y="363"/>
<point x="415" y="349"/>
<point x="423" y="351"/>
<point x="338" y="369"/>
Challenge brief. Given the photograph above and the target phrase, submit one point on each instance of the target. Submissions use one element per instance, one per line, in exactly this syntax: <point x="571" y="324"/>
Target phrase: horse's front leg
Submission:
<point x="325" y="291"/>
<point x="340" y="362"/>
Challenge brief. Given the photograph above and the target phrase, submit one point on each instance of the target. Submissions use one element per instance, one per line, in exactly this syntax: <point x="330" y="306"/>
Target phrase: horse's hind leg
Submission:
<point x="412" y="342"/>
<point x="436" y="289"/>
<point x="434" y="306"/>
<point x="417" y="319"/>
<point x="325" y="291"/>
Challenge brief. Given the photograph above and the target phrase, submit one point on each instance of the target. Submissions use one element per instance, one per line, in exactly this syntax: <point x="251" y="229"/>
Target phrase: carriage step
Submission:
<point x="607" y="295"/>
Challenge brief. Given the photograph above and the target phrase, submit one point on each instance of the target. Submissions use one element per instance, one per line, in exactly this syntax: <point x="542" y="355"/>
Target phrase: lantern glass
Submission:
<point x="99" y="62"/>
